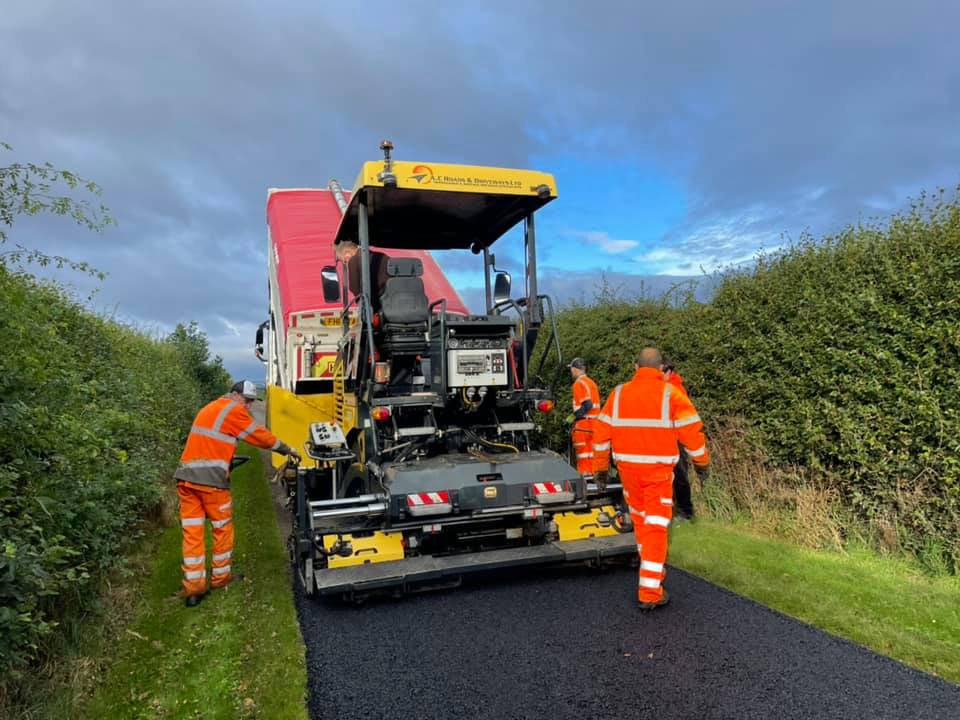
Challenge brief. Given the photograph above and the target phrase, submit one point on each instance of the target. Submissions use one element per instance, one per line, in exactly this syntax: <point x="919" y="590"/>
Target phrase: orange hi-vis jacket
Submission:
<point x="213" y="441"/>
<point x="674" y="379"/>
<point x="586" y="389"/>
<point x="641" y="423"/>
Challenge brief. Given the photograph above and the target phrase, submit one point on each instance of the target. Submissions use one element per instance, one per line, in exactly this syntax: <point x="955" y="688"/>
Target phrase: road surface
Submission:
<point x="572" y="644"/>
<point x="553" y="644"/>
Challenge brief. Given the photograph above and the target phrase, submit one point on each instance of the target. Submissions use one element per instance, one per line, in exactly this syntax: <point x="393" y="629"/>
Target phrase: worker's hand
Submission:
<point x="601" y="478"/>
<point x="702" y="472"/>
<point x="294" y="455"/>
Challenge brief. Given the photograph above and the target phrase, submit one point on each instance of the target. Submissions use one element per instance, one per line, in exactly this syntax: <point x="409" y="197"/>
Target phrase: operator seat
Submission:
<point x="404" y="314"/>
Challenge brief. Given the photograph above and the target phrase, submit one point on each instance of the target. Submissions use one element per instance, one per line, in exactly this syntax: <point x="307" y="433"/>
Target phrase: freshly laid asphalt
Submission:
<point x="554" y="644"/>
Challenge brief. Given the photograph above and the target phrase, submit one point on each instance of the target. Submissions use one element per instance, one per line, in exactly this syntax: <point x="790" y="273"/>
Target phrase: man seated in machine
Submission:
<point x="349" y="254"/>
<point x="399" y="305"/>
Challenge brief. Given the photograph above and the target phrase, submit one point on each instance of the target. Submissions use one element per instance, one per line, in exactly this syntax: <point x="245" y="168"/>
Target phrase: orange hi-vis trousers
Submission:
<point x="582" y="435"/>
<point x="197" y="504"/>
<point x="649" y="496"/>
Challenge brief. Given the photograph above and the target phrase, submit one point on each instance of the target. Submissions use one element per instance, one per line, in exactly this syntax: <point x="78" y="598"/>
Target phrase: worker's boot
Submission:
<point x="664" y="599"/>
<point x="194" y="600"/>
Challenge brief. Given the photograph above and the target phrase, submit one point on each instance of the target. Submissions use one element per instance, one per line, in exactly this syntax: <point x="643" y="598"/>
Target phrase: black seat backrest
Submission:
<point x="404" y="267"/>
<point x="404" y="300"/>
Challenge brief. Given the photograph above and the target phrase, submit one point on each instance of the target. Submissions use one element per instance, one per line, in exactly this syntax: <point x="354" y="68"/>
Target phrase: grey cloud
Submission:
<point x="771" y="119"/>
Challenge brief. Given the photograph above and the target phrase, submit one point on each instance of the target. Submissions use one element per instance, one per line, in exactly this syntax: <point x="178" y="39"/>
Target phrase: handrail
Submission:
<point x="442" y="302"/>
<point x="364" y="305"/>
<point x="367" y="310"/>
<point x="554" y="335"/>
<point x="523" y="341"/>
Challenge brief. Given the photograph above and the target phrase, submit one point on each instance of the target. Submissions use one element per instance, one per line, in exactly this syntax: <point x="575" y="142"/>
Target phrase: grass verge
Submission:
<point x="238" y="654"/>
<point x="884" y="604"/>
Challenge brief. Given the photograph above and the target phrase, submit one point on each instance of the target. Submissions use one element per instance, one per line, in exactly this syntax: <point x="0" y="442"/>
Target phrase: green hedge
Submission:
<point x="92" y="417"/>
<point x="842" y="354"/>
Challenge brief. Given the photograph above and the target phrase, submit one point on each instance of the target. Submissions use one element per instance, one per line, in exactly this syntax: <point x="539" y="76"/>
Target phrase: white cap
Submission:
<point x="245" y="388"/>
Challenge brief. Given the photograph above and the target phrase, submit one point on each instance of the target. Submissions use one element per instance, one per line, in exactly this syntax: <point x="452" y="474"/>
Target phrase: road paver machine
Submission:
<point x="425" y="457"/>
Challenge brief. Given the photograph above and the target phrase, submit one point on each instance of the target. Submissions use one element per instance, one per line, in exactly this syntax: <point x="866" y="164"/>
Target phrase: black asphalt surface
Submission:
<point x="572" y="644"/>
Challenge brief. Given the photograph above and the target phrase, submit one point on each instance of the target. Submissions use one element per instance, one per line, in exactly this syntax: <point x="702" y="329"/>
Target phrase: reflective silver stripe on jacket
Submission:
<point x="646" y="459"/>
<point x="220" y="557"/>
<point x="221" y="570"/>
<point x="222" y="464"/>
<point x="699" y="452"/>
<point x="207" y="432"/>
<point x="190" y="522"/>
<point x="214" y="476"/>
<point x="576" y="406"/>
<point x="247" y="430"/>
<point x="194" y="559"/>
<point x="220" y="523"/>
<point x="221" y="418"/>
<point x="662" y="422"/>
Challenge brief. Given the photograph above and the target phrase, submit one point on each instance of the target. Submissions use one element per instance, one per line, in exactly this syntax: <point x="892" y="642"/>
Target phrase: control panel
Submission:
<point x="476" y="366"/>
<point x="327" y="435"/>
<point x="327" y="442"/>
<point x="477" y="343"/>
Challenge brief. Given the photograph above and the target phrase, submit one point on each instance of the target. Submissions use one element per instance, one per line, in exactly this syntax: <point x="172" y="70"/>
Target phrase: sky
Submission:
<point x="684" y="137"/>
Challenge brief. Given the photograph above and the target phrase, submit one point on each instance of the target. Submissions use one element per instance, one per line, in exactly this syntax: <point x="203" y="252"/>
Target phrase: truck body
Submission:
<point x="299" y="341"/>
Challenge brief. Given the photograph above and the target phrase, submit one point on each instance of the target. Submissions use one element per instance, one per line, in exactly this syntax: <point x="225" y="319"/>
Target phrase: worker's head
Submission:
<point x="578" y="367"/>
<point x="346" y="249"/>
<point x="244" y="391"/>
<point x="649" y="358"/>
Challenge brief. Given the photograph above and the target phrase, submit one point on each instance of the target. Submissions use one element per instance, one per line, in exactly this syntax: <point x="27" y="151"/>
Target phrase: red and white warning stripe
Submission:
<point x="547" y="488"/>
<point x="551" y="492"/>
<point x="429" y="503"/>
<point x="430" y="498"/>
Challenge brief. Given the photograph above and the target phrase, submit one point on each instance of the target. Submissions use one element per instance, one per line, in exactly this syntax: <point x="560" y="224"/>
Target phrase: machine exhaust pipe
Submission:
<point x="337" y="191"/>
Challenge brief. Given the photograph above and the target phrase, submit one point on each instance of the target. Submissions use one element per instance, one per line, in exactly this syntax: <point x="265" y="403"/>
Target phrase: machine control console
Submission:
<point x="326" y="434"/>
<point x="476" y="367"/>
<point x="477" y="343"/>
<point x="327" y="442"/>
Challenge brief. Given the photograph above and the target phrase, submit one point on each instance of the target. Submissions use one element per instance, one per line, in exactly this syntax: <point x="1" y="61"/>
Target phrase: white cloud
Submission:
<point x="711" y="247"/>
<point x="232" y="327"/>
<point x="602" y="239"/>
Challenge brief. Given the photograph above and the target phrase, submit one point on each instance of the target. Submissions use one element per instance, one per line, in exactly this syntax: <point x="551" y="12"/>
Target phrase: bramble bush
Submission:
<point x="92" y="419"/>
<point x="841" y="356"/>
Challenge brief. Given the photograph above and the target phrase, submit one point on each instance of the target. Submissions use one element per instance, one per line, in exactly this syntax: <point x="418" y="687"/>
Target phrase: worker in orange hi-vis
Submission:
<point x="203" y="484"/>
<point x="641" y="424"/>
<point x="586" y="407"/>
<point x="682" y="496"/>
